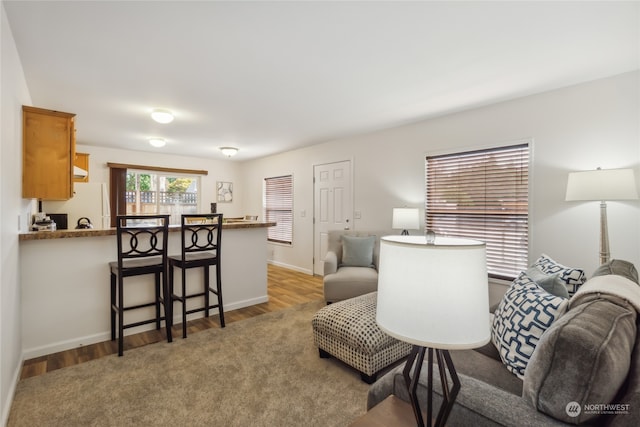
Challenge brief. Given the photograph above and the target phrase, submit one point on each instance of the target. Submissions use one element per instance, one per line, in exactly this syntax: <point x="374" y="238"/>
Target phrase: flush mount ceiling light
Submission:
<point x="162" y="116"/>
<point x="229" y="151"/>
<point x="157" y="142"/>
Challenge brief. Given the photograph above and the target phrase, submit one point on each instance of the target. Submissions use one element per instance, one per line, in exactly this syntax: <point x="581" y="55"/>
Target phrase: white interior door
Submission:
<point x="333" y="205"/>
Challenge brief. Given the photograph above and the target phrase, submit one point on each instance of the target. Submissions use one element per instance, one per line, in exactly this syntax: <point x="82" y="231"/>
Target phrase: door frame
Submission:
<point x="351" y="208"/>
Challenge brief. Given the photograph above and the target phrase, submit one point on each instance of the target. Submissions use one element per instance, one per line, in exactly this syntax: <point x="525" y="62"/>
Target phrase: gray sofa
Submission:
<point x="584" y="370"/>
<point x="351" y="276"/>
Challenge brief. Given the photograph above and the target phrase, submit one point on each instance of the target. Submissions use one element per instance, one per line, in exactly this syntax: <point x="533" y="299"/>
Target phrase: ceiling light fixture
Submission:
<point x="162" y="116"/>
<point x="229" y="151"/>
<point x="157" y="142"/>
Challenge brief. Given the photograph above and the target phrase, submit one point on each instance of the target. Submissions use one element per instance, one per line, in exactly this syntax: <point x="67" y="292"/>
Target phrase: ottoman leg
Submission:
<point x="323" y="354"/>
<point x="369" y="379"/>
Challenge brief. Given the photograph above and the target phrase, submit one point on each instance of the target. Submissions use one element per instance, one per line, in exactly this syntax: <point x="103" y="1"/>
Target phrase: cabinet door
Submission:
<point x="48" y="154"/>
<point x="82" y="162"/>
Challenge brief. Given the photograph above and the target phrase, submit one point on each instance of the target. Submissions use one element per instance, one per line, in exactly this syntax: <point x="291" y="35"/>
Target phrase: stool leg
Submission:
<point x="219" y="292"/>
<point x="206" y="290"/>
<point x="167" y="292"/>
<point x="157" y="301"/>
<point x="184" y="302"/>
<point x="113" y="306"/>
<point x="120" y="316"/>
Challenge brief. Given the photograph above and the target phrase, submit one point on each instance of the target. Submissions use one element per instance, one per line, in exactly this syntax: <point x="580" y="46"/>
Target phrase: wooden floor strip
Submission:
<point x="285" y="288"/>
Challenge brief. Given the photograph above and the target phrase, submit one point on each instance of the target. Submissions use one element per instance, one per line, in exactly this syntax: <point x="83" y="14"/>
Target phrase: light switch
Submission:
<point x="357" y="214"/>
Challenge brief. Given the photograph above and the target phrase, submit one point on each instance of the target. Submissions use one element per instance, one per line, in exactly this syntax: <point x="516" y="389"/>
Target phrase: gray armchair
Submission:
<point x="351" y="265"/>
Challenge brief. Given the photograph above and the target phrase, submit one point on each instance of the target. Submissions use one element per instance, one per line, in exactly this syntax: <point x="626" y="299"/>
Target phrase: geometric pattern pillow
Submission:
<point x="525" y="312"/>
<point x="571" y="276"/>
<point x="551" y="283"/>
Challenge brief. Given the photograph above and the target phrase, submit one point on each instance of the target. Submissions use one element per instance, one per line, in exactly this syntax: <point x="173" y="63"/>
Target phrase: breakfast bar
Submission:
<point x="65" y="282"/>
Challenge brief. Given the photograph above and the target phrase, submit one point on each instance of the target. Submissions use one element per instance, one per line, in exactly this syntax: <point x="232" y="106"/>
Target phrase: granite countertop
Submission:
<point x="95" y="232"/>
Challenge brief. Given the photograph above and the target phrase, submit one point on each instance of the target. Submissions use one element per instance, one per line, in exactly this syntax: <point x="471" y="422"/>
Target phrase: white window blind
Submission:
<point x="483" y="195"/>
<point x="278" y="208"/>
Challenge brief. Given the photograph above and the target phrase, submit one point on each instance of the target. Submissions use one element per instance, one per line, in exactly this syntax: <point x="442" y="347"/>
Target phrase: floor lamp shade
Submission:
<point x="602" y="185"/>
<point x="434" y="295"/>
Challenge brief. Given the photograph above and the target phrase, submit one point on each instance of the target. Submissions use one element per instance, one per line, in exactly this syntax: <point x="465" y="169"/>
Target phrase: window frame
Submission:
<point x="279" y="211"/>
<point x="118" y="185"/>
<point x="507" y="253"/>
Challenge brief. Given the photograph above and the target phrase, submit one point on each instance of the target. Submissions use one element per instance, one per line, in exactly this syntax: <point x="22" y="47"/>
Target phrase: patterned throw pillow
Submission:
<point x="571" y="276"/>
<point x="525" y="312"/>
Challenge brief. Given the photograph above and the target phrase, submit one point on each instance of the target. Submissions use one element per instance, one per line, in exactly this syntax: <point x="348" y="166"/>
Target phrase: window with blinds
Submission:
<point x="278" y="208"/>
<point x="483" y="195"/>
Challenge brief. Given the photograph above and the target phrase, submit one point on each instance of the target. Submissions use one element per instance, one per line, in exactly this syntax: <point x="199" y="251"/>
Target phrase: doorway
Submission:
<point x="333" y="206"/>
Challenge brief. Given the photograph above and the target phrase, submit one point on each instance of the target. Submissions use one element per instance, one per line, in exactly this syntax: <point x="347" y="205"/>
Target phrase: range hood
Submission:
<point x="79" y="172"/>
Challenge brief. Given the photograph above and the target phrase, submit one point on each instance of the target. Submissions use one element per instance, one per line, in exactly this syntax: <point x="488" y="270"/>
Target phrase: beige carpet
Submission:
<point x="263" y="371"/>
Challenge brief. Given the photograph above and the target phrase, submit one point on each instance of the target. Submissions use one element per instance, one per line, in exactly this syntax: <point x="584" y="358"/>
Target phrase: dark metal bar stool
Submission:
<point x="142" y="249"/>
<point x="201" y="238"/>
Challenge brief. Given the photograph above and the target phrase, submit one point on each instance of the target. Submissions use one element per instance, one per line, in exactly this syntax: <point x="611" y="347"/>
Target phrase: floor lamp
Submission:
<point x="434" y="295"/>
<point x="603" y="185"/>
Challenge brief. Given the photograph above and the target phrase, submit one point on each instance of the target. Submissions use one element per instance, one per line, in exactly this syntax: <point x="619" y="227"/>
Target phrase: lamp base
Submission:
<point x="448" y="394"/>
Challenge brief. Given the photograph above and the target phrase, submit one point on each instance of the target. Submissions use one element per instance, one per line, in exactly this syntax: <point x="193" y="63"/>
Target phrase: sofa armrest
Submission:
<point x="477" y="404"/>
<point x="330" y="263"/>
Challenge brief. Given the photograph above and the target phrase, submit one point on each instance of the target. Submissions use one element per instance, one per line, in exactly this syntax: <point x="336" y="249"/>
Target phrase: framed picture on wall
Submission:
<point x="225" y="191"/>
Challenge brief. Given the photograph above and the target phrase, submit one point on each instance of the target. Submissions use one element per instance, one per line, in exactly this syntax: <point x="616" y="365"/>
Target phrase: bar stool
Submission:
<point x="142" y="249"/>
<point x="201" y="238"/>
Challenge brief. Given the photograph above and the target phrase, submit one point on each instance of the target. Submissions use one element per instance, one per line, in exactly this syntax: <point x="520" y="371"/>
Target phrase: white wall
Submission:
<point x="575" y="128"/>
<point x="14" y="93"/>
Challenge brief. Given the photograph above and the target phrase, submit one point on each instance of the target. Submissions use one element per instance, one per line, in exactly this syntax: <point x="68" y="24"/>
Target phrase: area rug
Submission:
<point x="263" y="371"/>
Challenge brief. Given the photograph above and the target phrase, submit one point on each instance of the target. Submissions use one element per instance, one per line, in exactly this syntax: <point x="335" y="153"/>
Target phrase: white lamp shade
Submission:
<point x="434" y="295"/>
<point x="602" y="184"/>
<point x="406" y="219"/>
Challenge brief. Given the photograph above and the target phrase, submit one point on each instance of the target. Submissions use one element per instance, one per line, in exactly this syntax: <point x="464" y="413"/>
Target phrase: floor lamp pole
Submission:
<point x="604" y="234"/>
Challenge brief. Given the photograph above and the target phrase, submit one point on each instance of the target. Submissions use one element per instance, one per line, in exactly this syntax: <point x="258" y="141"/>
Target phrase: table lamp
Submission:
<point x="406" y="219"/>
<point x="433" y="293"/>
<point x="602" y="185"/>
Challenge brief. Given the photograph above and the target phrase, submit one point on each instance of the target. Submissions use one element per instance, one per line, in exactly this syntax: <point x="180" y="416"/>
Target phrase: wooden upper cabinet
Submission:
<point x="48" y="154"/>
<point x="82" y="162"/>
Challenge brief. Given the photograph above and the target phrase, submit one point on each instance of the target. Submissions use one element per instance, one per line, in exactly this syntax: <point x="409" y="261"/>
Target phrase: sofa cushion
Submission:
<point x="349" y="282"/>
<point x="569" y="275"/>
<point x="525" y="312"/>
<point x="550" y="282"/>
<point x="619" y="268"/>
<point x="357" y="251"/>
<point x="582" y="359"/>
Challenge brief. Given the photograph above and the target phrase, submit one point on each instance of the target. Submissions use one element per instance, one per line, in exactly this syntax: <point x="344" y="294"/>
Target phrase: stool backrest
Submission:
<point x="142" y="236"/>
<point x="201" y="233"/>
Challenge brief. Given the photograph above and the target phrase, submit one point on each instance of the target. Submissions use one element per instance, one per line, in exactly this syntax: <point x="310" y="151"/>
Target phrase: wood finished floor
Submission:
<point x="285" y="288"/>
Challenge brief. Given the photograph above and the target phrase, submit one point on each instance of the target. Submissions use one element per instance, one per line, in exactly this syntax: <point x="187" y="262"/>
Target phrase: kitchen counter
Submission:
<point x="94" y="232"/>
<point x="65" y="282"/>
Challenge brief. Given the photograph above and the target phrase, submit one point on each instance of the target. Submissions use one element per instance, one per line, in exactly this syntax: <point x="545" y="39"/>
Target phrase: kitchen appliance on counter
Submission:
<point x="43" y="222"/>
<point x="91" y="200"/>
<point x="61" y="220"/>
<point x="84" y="223"/>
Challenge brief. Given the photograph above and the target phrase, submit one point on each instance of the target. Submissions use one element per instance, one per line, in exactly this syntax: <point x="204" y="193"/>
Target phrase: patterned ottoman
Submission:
<point x="348" y="331"/>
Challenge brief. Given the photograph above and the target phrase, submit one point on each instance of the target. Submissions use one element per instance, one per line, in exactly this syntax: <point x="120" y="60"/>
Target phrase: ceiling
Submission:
<point x="268" y="77"/>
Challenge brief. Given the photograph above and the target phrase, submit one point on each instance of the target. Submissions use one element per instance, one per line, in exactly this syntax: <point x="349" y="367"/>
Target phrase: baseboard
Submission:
<point x="106" y="336"/>
<point x="65" y="345"/>
<point x="227" y="307"/>
<point x="291" y="267"/>
<point x="6" y="406"/>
